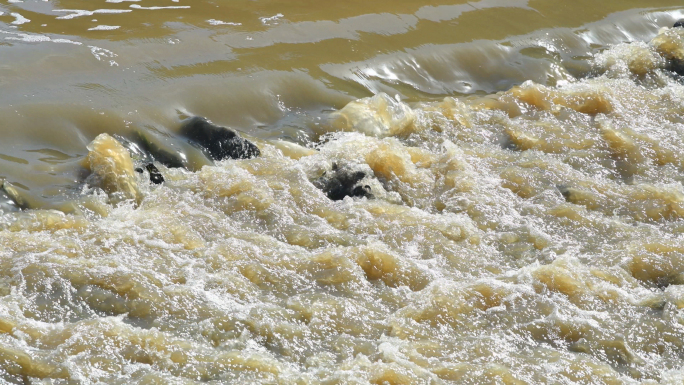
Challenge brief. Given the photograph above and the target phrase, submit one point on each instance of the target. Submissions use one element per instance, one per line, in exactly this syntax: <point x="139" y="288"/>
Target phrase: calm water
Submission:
<point x="526" y="159"/>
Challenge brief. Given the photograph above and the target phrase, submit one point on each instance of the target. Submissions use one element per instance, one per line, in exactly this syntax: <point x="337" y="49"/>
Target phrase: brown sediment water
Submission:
<point x="525" y="224"/>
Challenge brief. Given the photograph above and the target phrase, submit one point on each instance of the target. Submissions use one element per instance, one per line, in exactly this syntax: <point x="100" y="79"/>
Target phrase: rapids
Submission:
<point x="520" y="218"/>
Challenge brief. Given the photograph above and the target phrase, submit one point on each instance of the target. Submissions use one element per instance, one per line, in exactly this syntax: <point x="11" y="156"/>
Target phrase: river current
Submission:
<point x="525" y="221"/>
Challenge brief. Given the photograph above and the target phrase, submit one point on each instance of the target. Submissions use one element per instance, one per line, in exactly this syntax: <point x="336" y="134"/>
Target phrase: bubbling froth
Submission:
<point x="535" y="235"/>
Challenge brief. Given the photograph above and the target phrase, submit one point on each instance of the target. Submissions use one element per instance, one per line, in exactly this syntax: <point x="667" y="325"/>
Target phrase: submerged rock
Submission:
<point x="112" y="168"/>
<point x="220" y="142"/>
<point x="151" y="150"/>
<point x="379" y="116"/>
<point x="677" y="64"/>
<point x="669" y="43"/>
<point x="11" y="199"/>
<point x="344" y="181"/>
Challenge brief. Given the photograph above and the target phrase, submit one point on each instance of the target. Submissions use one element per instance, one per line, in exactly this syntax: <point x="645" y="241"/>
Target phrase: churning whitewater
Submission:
<point x="532" y="235"/>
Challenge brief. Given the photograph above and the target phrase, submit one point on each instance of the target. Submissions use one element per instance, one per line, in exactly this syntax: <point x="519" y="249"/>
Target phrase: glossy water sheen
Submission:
<point x="526" y="159"/>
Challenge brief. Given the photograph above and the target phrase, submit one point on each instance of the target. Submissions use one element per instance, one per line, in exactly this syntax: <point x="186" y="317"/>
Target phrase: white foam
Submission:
<point x="102" y="54"/>
<point x="19" y="19"/>
<point x="219" y="22"/>
<point x="271" y="20"/>
<point x="104" y="28"/>
<point x="36" y="38"/>
<point x="80" y="12"/>
<point x="136" y="6"/>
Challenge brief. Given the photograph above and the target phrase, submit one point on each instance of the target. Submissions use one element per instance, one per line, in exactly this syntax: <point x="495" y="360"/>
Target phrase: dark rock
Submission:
<point x="362" y="191"/>
<point x="677" y="66"/>
<point x="220" y="142"/>
<point x="342" y="182"/>
<point x="679" y="24"/>
<point x="155" y="176"/>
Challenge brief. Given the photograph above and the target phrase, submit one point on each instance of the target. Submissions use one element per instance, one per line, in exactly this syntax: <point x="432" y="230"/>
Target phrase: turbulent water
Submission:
<point x="525" y="161"/>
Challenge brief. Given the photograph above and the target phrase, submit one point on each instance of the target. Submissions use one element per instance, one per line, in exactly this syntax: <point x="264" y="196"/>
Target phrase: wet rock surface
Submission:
<point x="220" y="142"/>
<point x="343" y="181"/>
<point x="155" y="175"/>
<point x="111" y="158"/>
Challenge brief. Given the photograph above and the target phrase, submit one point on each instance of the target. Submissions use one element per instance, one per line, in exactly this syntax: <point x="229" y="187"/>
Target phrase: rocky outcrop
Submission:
<point x="111" y="159"/>
<point x="219" y="142"/>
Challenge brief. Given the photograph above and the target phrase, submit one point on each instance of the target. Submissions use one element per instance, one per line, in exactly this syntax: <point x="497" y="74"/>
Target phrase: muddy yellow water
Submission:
<point x="526" y="163"/>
